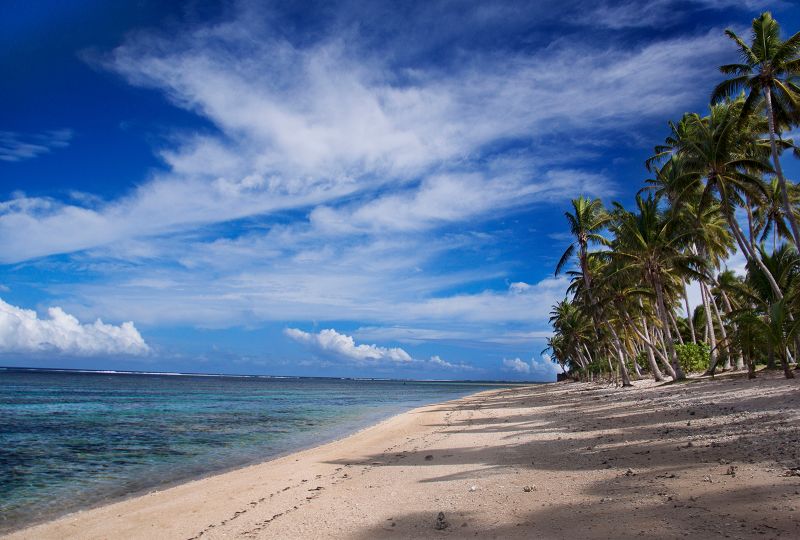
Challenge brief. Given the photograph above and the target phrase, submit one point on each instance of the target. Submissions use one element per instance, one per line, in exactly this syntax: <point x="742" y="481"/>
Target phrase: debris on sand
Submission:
<point x="441" y="522"/>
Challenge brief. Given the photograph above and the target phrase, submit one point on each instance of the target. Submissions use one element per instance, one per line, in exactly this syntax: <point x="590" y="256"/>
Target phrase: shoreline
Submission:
<point x="552" y="461"/>
<point x="325" y="437"/>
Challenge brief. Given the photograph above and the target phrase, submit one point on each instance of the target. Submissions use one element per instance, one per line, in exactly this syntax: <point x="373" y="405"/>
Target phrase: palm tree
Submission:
<point x="769" y="70"/>
<point x="720" y="151"/>
<point x="648" y="243"/>
<point x="585" y="225"/>
<point x="769" y="216"/>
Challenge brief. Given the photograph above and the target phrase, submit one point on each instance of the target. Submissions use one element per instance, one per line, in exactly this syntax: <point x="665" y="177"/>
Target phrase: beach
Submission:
<point x="707" y="458"/>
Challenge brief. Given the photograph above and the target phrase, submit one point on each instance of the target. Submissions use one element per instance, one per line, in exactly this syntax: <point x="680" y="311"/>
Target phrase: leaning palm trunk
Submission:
<point x="726" y="366"/>
<point x="749" y="207"/>
<point x="675" y="325"/>
<point x="740" y="363"/>
<point x="667" y="332"/>
<point x="663" y="353"/>
<point x="645" y="338"/>
<point x="712" y="336"/>
<point x="623" y="369"/>
<point x="785" y="364"/>
<point x="651" y="349"/>
<point x="750" y="254"/>
<point x="689" y="313"/>
<point x="787" y="206"/>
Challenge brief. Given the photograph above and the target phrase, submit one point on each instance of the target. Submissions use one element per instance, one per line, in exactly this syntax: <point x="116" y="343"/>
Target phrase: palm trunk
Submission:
<point x="712" y="335"/>
<point x="740" y="363"/>
<point x="750" y="254"/>
<point x="623" y="369"/>
<point x="651" y="350"/>
<point x="651" y="359"/>
<point x="664" y="357"/>
<point x="785" y="365"/>
<point x="726" y="366"/>
<point x="750" y="219"/>
<point x="675" y="324"/>
<point x="787" y="204"/>
<point x="689" y="313"/>
<point x="667" y="332"/>
<point x="751" y="366"/>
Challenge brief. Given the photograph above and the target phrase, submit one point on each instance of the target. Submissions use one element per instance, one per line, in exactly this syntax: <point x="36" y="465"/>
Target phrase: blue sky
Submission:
<point x="323" y="188"/>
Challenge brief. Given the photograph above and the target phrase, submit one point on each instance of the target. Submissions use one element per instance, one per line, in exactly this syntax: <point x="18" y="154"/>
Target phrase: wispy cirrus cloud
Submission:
<point x="352" y="179"/>
<point x="660" y="13"/>
<point x="302" y="127"/>
<point x="16" y="146"/>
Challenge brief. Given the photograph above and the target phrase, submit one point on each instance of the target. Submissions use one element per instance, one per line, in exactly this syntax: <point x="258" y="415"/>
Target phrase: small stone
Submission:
<point x="629" y="472"/>
<point x="731" y="470"/>
<point x="428" y="457"/>
<point x="441" y="523"/>
<point x="707" y="479"/>
<point x="528" y="489"/>
<point x="473" y="488"/>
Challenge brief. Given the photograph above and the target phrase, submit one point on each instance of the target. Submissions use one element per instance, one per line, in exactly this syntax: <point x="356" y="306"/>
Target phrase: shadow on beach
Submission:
<point x="668" y="460"/>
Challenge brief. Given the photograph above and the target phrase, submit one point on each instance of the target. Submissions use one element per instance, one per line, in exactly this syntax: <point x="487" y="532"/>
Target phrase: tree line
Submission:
<point x="716" y="186"/>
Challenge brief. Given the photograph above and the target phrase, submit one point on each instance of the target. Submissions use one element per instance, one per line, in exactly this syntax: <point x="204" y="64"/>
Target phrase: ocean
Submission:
<point x="72" y="440"/>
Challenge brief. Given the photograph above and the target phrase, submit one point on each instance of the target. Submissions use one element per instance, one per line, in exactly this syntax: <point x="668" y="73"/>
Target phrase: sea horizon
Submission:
<point x="266" y="376"/>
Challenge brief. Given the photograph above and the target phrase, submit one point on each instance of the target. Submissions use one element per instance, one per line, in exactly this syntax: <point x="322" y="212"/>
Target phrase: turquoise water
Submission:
<point x="71" y="440"/>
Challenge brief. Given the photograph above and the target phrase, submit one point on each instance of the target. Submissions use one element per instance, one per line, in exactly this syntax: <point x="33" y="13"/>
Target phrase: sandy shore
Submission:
<point x="704" y="459"/>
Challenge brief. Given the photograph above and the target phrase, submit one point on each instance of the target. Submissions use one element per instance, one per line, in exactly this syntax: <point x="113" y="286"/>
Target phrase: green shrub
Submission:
<point x="693" y="356"/>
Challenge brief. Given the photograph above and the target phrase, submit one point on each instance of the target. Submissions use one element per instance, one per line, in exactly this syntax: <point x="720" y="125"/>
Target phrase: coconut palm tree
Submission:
<point x="770" y="216"/>
<point x="585" y="224"/>
<point x="769" y="71"/>
<point x="647" y="242"/>
<point x="719" y="151"/>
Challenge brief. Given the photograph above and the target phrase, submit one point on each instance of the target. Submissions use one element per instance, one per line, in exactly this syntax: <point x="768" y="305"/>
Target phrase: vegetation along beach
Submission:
<point x="364" y="270"/>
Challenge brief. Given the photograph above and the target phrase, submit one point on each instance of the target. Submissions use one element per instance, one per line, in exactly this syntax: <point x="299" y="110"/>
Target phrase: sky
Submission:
<point x="369" y="189"/>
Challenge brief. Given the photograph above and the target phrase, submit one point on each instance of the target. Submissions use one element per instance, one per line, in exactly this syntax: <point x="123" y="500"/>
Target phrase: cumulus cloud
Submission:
<point x="541" y="368"/>
<point x="516" y="365"/>
<point x="437" y="361"/>
<point x="22" y="331"/>
<point x="344" y="346"/>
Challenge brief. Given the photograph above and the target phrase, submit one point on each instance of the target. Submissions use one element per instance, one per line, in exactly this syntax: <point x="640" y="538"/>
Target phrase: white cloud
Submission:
<point x="309" y="126"/>
<point x="542" y="368"/>
<point x="344" y="346"/>
<point x="660" y="13"/>
<point x="20" y="146"/>
<point x="516" y="365"/>
<point x="22" y="331"/>
<point x="438" y="362"/>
